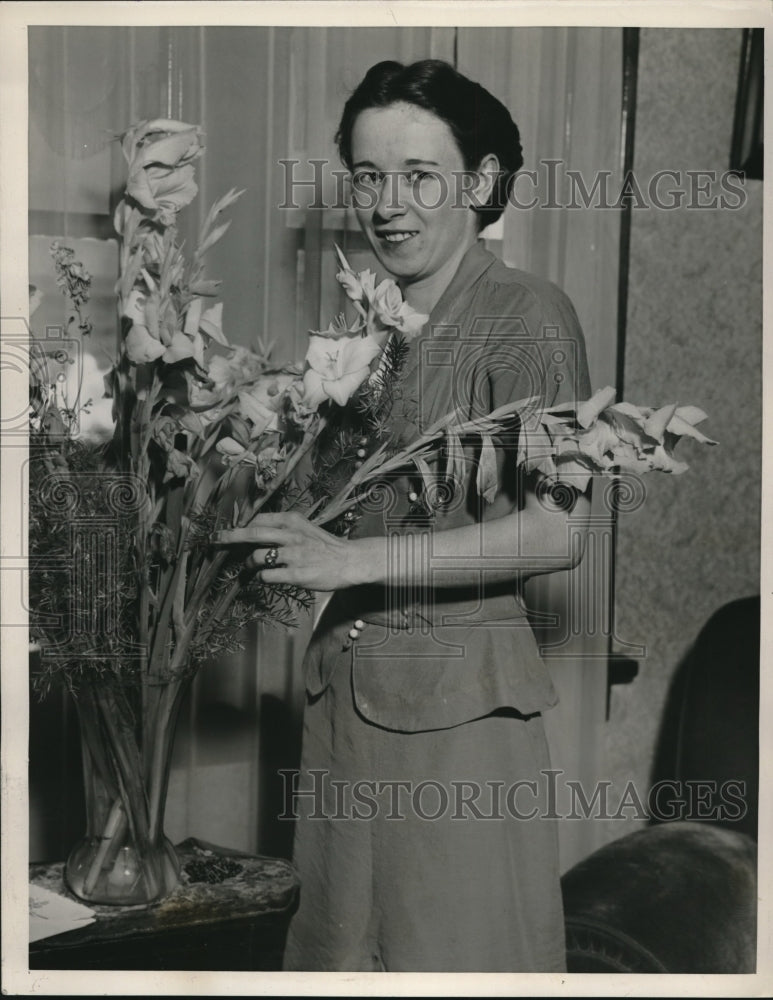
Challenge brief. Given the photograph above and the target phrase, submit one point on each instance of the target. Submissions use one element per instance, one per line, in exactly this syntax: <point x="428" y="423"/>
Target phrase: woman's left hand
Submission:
<point x="307" y="556"/>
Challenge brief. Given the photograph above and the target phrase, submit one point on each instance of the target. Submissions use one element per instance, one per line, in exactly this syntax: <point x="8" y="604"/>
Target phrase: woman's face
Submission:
<point x="406" y="172"/>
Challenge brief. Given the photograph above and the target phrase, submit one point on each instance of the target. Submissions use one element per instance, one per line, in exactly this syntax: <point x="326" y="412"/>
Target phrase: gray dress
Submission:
<point x="426" y="838"/>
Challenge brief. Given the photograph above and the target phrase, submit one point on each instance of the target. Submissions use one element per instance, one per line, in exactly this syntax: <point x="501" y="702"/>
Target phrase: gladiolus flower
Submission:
<point x="382" y="307"/>
<point x="337" y="367"/>
<point x="211" y="323"/>
<point x="392" y="311"/>
<point x="179" y="466"/>
<point x="240" y="365"/>
<point x="262" y="402"/>
<point x="181" y="347"/>
<point x="140" y="347"/>
<point x="602" y="436"/>
<point x="234" y="453"/>
<point x="161" y="174"/>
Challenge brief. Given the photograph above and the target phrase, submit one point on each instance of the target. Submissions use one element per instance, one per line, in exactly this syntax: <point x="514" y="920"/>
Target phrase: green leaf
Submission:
<point x="264" y="347"/>
<point x="212" y="439"/>
<point x="240" y="430"/>
<point x="487" y="479"/>
<point x="130" y="274"/>
<point x="219" y="206"/>
<point x="656" y="423"/>
<point x="217" y="234"/>
<point x="589" y="410"/>
<point x="537" y="445"/>
<point x="683" y="421"/>
<point x="205" y="287"/>
<point x="191" y="422"/>
<point x="211" y="323"/>
<point x="456" y="463"/>
<point x="692" y="414"/>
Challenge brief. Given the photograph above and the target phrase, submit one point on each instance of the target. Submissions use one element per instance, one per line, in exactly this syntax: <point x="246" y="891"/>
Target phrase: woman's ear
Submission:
<point x="488" y="171"/>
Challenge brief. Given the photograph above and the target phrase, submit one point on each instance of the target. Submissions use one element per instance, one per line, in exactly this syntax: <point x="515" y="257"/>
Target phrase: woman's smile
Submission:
<point x="397" y="237"/>
<point x="397" y="244"/>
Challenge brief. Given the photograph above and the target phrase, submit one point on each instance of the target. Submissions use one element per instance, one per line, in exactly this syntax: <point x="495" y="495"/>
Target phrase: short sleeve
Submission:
<point x="535" y="349"/>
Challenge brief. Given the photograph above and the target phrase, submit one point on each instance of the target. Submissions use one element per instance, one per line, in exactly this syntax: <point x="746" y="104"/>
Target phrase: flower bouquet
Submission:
<point x="128" y="596"/>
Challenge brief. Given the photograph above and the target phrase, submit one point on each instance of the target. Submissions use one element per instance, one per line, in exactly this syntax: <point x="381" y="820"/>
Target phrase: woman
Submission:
<point x="423" y="842"/>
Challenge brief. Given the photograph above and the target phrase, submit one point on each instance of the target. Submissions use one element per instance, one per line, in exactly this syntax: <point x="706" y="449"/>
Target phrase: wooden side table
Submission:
<point x="237" y="924"/>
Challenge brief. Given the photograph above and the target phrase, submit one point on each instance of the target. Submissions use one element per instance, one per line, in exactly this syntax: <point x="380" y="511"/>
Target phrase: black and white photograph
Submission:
<point x="383" y="499"/>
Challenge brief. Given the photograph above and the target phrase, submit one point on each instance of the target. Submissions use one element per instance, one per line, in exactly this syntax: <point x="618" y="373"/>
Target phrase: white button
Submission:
<point x="354" y="633"/>
<point x="413" y="497"/>
<point x="360" y="624"/>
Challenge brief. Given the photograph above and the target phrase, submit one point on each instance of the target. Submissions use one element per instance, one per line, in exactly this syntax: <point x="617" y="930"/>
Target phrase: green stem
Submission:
<point x="116" y="715"/>
<point x="144" y="523"/>
<point x="169" y="700"/>
<point x="159" y="652"/>
<point x="112" y="833"/>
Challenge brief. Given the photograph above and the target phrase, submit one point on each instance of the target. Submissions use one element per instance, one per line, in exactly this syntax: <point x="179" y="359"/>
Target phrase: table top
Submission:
<point x="264" y="886"/>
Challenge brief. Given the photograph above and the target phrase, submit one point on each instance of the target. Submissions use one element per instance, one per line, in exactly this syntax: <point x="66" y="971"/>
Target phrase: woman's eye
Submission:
<point x="417" y="176"/>
<point x="366" y="178"/>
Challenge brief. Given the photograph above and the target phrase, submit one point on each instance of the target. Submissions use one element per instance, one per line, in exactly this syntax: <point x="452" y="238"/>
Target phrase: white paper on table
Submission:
<point x="53" y="914"/>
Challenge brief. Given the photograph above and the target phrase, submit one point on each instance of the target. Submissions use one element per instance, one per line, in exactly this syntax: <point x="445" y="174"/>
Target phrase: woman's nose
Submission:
<point x="391" y="199"/>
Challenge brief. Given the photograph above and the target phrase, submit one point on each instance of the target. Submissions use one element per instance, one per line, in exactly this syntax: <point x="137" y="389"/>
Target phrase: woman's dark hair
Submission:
<point x="479" y="122"/>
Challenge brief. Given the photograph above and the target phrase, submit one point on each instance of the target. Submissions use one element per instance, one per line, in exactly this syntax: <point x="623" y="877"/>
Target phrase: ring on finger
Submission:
<point x="271" y="557"/>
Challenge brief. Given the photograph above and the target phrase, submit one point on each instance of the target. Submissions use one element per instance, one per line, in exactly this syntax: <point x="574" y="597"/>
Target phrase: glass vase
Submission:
<point x="127" y="737"/>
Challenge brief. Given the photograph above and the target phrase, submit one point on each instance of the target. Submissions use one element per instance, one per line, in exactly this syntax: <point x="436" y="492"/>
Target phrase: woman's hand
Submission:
<point x="307" y="556"/>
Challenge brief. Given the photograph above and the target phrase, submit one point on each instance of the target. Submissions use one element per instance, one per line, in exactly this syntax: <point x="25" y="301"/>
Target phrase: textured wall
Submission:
<point x="694" y="335"/>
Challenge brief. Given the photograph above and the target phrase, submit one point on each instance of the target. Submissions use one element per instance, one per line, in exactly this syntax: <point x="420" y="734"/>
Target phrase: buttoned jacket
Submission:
<point x="438" y="656"/>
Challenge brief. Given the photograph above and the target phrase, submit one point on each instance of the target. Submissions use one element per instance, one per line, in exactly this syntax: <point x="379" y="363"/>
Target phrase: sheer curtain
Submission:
<point x="266" y="95"/>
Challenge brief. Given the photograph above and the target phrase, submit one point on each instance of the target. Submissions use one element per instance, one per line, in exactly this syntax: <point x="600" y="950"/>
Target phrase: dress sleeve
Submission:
<point x="534" y="350"/>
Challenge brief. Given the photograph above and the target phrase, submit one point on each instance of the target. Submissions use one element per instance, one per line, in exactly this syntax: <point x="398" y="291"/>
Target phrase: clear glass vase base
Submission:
<point x="126" y="876"/>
